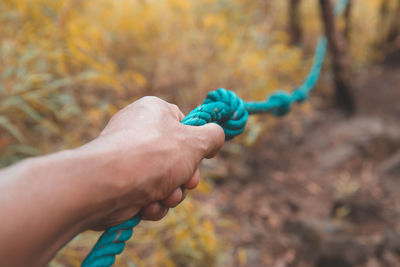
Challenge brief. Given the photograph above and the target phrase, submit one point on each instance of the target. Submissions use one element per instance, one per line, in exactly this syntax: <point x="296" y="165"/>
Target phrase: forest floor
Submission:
<point x="323" y="193"/>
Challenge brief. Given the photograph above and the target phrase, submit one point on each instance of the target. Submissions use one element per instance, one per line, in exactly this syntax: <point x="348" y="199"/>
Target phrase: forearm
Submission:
<point x="44" y="203"/>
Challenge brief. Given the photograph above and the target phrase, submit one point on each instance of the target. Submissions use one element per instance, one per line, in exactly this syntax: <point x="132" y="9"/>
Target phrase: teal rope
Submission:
<point x="231" y="113"/>
<point x="340" y="7"/>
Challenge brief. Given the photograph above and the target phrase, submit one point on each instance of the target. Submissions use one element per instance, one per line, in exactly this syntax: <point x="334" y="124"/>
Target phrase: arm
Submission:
<point x="143" y="160"/>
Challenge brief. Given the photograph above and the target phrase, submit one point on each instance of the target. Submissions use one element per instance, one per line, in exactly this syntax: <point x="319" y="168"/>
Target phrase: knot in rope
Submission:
<point x="281" y="103"/>
<point x="236" y="122"/>
<point x="223" y="107"/>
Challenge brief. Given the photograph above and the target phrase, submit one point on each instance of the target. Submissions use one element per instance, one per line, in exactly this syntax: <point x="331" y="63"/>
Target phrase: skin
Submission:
<point x="144" y="159"/>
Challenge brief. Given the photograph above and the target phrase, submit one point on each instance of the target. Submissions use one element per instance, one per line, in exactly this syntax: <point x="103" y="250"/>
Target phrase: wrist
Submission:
<point x="106" y="178"/>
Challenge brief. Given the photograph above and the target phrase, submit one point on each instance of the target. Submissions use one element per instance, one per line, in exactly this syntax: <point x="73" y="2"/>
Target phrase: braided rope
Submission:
<point x="111" y="243"/>
<point x="231" y="113"/>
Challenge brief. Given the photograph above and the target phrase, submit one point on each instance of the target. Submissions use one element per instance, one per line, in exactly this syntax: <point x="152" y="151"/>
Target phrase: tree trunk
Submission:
<point x="294" y="22"/>
<point x="347" y="16"/>
<point x="341" y="69"/>
<point x="394" y="27"/>
<point x="383" y="13"/>
<point x="382" y="25"/>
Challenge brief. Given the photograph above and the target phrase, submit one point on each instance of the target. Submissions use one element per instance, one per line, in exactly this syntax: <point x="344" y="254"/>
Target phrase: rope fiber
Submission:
<point x="231" y="113"/>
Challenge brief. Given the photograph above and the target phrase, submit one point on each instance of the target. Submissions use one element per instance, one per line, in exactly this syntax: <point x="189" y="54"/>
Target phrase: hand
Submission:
<point x="155" y="160"/>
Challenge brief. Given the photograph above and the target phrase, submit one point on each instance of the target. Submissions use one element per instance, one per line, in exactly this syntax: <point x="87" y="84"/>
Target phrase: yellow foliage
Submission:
<point x="242" y="257"/>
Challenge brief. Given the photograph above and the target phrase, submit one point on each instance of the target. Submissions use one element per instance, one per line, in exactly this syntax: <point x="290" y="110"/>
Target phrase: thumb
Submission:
<point x="211" y="138"/>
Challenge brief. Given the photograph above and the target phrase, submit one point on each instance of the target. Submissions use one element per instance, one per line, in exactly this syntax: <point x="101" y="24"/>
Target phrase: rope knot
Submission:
<point x="229" y="104"/>
<point x="281" y="102"/>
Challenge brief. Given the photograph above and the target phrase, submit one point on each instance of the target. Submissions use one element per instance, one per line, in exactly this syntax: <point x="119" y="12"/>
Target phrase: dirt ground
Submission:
<point x="324" y="195"/>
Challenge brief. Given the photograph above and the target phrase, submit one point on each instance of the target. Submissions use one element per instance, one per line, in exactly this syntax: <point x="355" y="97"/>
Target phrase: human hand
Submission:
<point x="153" y="159"/>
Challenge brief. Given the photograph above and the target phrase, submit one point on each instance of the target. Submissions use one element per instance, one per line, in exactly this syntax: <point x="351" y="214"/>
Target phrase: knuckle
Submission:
<point x="220" y="134"/>
<point x="151" y="99"/>
<point x="175" y="110"/>
<point x="202" y="143"/>
<point x="174" y="107"/>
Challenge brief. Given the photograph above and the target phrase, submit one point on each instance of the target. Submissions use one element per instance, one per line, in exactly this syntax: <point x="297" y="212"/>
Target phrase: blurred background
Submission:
<point x="317" y="187"/>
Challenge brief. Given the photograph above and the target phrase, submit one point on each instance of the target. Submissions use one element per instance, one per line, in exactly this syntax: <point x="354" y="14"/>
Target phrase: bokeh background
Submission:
<point x="315" y="188"/>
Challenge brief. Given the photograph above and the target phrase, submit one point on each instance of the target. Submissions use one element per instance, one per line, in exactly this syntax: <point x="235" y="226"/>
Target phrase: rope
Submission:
<point x="111" y="243"/>
<point x="231" y="113"/>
